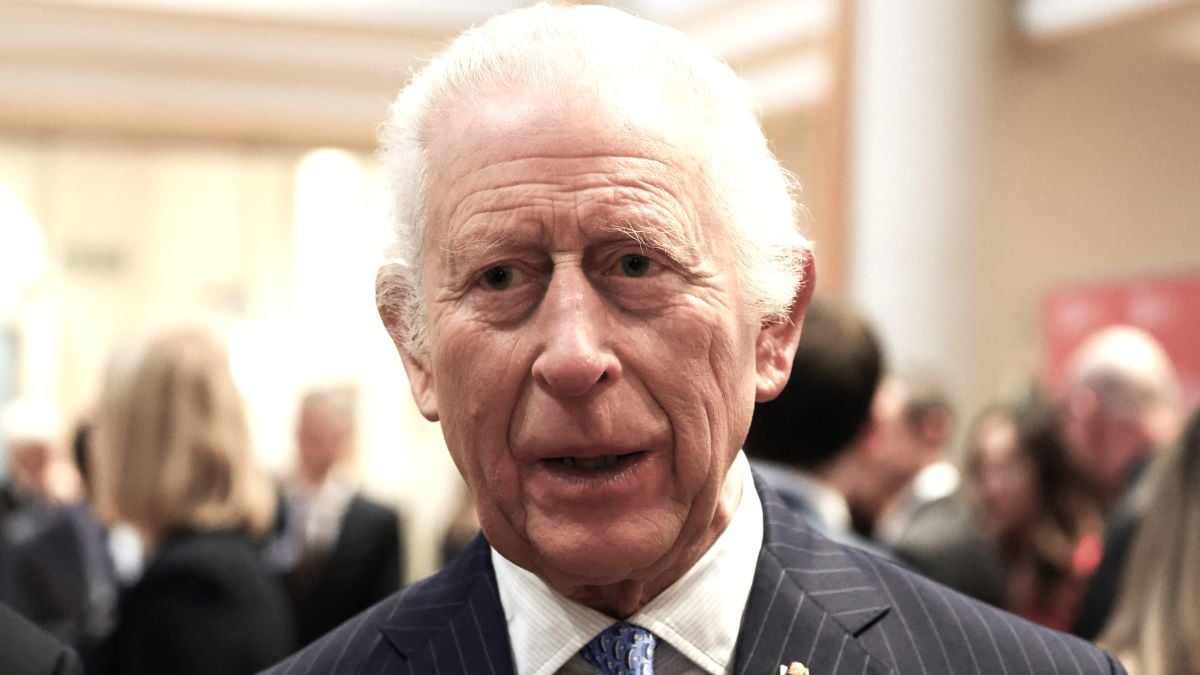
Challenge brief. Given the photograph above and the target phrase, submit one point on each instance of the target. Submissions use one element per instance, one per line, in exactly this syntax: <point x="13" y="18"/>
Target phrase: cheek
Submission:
<point x="704" y="379"/>
<point x="477" y="376"/>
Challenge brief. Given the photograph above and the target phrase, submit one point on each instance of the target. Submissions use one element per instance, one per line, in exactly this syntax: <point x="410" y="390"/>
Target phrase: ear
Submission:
<point x="391" y="295"/>
<point x="776" y="344"/>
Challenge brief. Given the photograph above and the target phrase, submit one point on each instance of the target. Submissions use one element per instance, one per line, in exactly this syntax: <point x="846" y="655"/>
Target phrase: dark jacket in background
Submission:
<point x="361" y="568"/>
<point x="62" y="579"/>
<point x="942" y="540"/>
<point x="1120" y="529"/>
<point x="1101" y="596"/>
<point x="204" y="605"/>
<point x="27" y="650"/>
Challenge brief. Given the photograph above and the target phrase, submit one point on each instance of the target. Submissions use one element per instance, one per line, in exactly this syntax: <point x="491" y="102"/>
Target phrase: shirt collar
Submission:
<point x="699" y="615"/>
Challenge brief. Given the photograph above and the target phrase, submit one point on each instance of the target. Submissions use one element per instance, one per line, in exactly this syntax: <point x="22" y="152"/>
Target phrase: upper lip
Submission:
<point x="586" y="452"/>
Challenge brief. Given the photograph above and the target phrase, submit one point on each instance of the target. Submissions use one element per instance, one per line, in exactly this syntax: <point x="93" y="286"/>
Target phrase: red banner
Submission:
<point x="1167" y="308"/>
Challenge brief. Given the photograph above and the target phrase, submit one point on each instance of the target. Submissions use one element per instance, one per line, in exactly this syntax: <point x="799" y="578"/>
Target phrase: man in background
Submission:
<point x="339" y="551"/>
<point x="62" y="574"/>
<point x="1122" y="405"/>
<point x="799" y="440"/>
<point x="35" y="497"/>
<point x="928" y="524"/>
<point x="39" y="475"/>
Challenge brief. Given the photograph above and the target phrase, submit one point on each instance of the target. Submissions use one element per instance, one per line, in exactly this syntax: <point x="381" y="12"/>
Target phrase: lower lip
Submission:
<point x="566" y="481"/>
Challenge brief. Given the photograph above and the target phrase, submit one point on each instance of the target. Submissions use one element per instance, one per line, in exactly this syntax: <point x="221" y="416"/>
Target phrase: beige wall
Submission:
<point x="144" y="233"/>
<point x="1095" y="174"/>
<point x="268" y="245"/>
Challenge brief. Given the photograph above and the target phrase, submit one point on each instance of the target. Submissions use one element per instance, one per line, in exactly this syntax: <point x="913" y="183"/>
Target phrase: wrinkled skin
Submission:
<point x="582" y="302"/>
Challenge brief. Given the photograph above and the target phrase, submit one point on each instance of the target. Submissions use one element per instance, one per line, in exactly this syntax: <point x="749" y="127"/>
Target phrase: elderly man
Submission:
<point x="599" y="275"/>
<point x="1122" y="404"/>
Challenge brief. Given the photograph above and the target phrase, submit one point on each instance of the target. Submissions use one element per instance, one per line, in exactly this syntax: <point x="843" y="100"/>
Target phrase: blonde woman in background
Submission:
<point x="1156" y="625"/>
<point x="173" y="460"/>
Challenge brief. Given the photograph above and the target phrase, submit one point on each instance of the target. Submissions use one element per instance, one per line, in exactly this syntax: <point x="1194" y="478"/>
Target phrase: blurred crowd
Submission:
<point x="1076" y="509"/>
<point x="162" y="547"/>
<point x="157" y="543"/>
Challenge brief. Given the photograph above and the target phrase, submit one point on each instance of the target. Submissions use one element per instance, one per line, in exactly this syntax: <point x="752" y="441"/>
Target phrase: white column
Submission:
<point x="922" y="78"/>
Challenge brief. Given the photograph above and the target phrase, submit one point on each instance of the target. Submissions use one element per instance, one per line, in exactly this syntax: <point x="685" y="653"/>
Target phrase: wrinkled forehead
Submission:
<point x="506" y="130"/>
<point x="626" y="118"/>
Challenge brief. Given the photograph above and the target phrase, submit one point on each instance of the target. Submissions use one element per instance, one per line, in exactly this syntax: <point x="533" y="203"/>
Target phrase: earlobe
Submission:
<point x="391" y="295"/>
<point x="777" y="341"/>
<point x="421" y="382"/>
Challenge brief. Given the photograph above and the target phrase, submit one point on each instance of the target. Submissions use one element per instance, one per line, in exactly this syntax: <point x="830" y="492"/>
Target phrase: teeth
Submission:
<point x="590" y="464"/>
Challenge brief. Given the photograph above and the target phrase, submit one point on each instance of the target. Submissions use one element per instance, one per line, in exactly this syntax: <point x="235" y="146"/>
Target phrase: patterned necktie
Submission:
<point x="621" y="649"/>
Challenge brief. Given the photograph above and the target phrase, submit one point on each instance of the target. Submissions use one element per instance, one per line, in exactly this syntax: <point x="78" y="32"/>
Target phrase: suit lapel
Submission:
<point x="457" y="626"/>
<point x="809" y="603"/>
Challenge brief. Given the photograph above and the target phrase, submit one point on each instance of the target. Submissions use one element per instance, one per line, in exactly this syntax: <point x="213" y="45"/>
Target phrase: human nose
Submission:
<point x="575" y="359"/>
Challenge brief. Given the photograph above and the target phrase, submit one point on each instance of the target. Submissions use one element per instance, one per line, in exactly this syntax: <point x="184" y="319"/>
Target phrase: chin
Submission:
<point x="592" y="558"/>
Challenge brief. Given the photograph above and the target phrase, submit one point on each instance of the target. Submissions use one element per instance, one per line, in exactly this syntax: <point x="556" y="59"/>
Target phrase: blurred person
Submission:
<point x="1033" y="506"/>
<point x="38" y="475"/>
<point x="1155" y="627"/>
<point x="38" y="486"/>
<point x="928" y="523"/>
<point x="26" y="649"/>
<point x="600" y="273"/>
<point x="63" y="578"/>
<point x="881" y="460"/>
<point x="1121" y="405"/>
<point x="173" y="460"/>
<point x="797" y="440"/>
<point x="339" y="552"/>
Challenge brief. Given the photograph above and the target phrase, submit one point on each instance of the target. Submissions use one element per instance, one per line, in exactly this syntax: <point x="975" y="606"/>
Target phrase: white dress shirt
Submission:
<point x="696" y="619"/>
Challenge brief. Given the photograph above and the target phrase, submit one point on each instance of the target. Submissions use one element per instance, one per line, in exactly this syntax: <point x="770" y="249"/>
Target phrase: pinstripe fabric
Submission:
<point x="838" y="610"/>
<point x="451" y="622"/>
<point x="843" y="610"/>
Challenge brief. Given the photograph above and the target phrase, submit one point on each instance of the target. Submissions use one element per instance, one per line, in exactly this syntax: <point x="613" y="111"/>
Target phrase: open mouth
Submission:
<point x="585" y="465"/>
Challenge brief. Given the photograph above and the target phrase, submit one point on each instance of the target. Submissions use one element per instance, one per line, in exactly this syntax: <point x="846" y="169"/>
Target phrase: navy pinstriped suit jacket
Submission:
<point x="836" y="609"/>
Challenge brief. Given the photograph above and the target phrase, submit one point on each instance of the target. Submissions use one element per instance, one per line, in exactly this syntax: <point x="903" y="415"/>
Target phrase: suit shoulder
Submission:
<point x="348" y="646"/>
<point x="934" y="627"/>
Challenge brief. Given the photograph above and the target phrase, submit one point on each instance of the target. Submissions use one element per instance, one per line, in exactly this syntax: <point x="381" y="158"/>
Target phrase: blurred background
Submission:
<point x="988" y="180"/>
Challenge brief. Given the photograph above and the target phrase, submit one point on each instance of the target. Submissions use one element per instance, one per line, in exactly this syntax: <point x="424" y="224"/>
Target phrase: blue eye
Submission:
<point x="635" y="265"/>
<point x="498" y="278"/>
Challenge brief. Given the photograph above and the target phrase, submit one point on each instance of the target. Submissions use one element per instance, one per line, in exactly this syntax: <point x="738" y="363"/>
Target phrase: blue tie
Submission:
<point x="621" y="649"/>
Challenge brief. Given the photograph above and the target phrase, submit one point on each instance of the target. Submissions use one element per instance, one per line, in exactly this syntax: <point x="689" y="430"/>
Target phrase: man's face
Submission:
<point x="591" y="359"/>
<point x="894" y="447"/>
<point x="320" y="439"/>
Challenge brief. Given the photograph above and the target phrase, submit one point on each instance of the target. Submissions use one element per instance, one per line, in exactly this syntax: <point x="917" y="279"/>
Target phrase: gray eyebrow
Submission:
<point x="671" y="241"/>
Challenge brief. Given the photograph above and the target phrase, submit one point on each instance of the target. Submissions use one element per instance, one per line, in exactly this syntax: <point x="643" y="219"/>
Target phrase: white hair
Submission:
<point x="546" y="49"/>
<point x="1128" y="370"/>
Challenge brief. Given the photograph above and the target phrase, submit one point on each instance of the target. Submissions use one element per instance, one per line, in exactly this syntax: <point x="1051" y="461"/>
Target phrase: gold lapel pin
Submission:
<point x="795" y="668"/>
